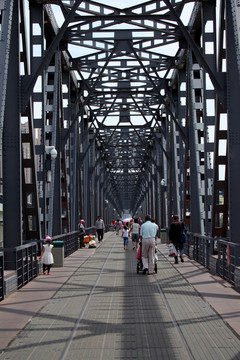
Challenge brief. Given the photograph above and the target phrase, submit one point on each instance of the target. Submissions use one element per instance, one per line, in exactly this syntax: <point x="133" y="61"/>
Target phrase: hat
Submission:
<point x="82" y="221"/>
<point x="48" y="238"/>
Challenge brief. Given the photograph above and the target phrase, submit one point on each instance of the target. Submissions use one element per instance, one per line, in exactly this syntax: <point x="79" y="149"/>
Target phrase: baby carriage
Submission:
<point x="139" y="259"/>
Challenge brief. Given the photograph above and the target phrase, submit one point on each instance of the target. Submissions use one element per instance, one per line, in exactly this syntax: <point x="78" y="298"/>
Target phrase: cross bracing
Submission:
<point x="140" y="102"/>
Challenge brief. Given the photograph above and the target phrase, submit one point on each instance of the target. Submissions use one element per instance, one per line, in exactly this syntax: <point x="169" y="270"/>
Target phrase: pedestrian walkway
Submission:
<point x="98" y="307"/>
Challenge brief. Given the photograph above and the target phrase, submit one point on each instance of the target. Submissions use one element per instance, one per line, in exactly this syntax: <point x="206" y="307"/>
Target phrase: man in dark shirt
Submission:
<point x="175" y="233"/>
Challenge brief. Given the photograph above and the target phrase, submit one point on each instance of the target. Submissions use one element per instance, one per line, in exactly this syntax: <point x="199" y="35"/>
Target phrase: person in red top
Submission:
<point x="113" y="224"/>
<point x="175" y="233"/>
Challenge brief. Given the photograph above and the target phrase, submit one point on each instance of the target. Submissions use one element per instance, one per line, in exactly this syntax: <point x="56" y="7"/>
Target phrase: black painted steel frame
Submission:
<point x="122" y="115"/>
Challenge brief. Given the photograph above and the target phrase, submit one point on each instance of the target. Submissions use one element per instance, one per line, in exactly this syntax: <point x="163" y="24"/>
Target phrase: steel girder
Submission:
<point x="123" y="112"/>
<point x="233" y="108"/>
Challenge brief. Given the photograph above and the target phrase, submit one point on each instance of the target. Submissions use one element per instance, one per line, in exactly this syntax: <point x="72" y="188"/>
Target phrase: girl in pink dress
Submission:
<point x="47" y="256"/>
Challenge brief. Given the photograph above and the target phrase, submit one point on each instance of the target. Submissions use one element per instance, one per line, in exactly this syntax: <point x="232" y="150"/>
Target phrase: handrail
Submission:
<point x="71" y="243"/>
<point x="26" y="262"/>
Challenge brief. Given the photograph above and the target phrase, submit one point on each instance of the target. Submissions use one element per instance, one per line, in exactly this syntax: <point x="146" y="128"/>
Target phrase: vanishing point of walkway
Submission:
<point x="98" y="307"/>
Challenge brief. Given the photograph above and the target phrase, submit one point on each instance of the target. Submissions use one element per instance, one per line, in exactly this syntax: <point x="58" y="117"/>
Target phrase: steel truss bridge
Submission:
<point x="111" y="109"/>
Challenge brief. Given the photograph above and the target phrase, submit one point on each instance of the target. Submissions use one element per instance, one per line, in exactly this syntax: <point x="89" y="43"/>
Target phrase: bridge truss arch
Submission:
<point x="141" y="103"/>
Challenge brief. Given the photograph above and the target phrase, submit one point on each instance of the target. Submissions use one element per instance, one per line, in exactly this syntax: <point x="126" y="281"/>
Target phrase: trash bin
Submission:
<point x="163" y="236"/>
<point x="58" y="253"/>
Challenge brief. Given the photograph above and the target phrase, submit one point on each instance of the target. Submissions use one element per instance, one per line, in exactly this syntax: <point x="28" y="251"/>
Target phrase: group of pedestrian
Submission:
<point x="100" y="227"/>
<point x="131" y="228"/>
<point x="146" y="233"/>
<point x="140" y="232"/>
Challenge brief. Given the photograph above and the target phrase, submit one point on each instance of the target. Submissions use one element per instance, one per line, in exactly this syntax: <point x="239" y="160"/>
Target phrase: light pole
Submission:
<point x="106" y="212"/>
<point x="163" y="190"/>
<point x="49" y="187"/>
<point x="51" y="154"/>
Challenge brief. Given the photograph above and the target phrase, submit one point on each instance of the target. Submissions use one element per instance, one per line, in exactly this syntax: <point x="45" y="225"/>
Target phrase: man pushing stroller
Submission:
<point x="147" y="238"/>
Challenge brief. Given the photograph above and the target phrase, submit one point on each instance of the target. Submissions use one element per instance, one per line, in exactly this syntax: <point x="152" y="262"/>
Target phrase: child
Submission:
<point x="46" y="255"/>
<point x="125" y="237"/>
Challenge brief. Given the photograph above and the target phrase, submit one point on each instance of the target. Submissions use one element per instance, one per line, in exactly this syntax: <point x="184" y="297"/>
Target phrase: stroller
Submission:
<point x="139" y="259"/>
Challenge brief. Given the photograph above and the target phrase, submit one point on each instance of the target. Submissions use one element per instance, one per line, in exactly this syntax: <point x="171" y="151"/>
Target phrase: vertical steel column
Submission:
<point x="209" y="107"/>
<point x="73" y="155"/>
<point x="36" y="50"/>
<point x="68" y="223"/>
<point x="158" y="194"/>
<point x="220" y="180"/>
<point x="12" y="164"/>
<point x="98" y="190"/>
<point x="6" y="10"/>
<point x="92" y="166"/>
<point x="7" y="19"/>
<point x="51" y="175"/>
<point x="164" y="181"/>
<point x="233" y="103"/>
<point x="195" y="146"/>
<point x="167" y="173"/>
<point x="84" y="139"/>
<point x="182" y="144"/>
<point x="175" y="161"/>
<point x="30" y="211"/>
<point x="55" y="205"/>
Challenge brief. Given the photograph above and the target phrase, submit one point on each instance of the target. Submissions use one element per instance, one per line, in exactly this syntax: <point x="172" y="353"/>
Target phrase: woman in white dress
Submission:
<point x="47" y="256"/>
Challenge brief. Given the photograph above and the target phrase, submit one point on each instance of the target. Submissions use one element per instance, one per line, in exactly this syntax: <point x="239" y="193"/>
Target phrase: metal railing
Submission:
<point x="70" y="240"/>
<point x="228" y="259"/>
<point x="202" y="248"/>
<point x="27" y="263"/>
<point x="24" y="260"/>
<point x="1" y="276"/>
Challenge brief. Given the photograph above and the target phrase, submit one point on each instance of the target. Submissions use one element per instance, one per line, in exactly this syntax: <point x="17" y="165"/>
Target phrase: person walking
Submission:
<point x="100" y="228"/>
<point x="117" y="226"/>
<point x="81" y="233"/>
<point x="47" y="256"/>
<point x="175" y="234"/>
<point x="147" y="237"/>
<point x="135" y="231"/>
<point x="125" y="237"/>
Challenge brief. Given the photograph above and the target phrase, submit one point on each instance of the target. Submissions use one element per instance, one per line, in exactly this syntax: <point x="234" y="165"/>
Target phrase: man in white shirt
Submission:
<point x="147" y="236"/>
<point x="100" y="228"/>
